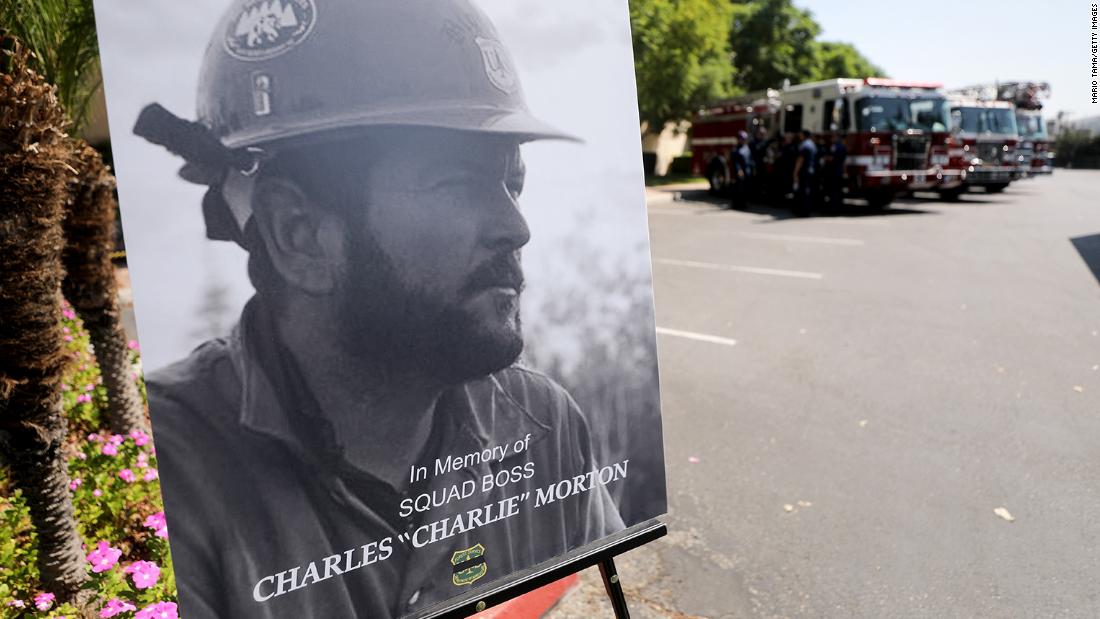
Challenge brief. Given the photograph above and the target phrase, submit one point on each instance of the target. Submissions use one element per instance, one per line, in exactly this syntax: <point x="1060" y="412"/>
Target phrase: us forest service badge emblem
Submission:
<point x="498" y="65"/>
<point x="267" y="28"/>
<point x="469" y="565"/>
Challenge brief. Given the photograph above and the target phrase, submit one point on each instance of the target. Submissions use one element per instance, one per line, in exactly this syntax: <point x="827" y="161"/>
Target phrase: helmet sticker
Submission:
<point x="498" y="65"/>
<point x="267" y="28"/>
<point x="261" y="93"/>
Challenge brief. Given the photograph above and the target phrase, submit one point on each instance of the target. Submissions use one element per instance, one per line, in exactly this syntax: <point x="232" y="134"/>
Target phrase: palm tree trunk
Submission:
<point x="90" y="285"/>
<point x="33" y="170"/>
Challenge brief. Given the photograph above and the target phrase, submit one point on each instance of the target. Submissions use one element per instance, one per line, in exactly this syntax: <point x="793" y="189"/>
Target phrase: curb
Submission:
<point x="531" y="605"/>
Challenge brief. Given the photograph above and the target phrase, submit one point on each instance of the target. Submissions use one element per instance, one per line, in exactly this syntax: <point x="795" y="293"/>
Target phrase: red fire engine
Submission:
<point x="983" y="141"/>
<point x="895" y="132"/>
<point x="1035" y="153"/>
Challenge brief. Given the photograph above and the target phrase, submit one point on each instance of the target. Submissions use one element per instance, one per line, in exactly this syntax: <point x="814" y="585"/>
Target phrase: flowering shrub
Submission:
<point x="116" y="498"/>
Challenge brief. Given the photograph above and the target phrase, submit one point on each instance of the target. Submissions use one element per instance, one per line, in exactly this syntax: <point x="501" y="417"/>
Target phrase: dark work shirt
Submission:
<point x="807" y="151"/>
<point x="255" y="485"/>
<point x="839" y="156"/>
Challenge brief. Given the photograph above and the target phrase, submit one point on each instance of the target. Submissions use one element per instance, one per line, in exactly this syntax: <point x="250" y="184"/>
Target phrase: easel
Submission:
<point x="603" y="556"/>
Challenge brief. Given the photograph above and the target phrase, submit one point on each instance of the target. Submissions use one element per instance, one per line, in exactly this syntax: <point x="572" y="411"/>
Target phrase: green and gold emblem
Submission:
<point x="469" y="565"/>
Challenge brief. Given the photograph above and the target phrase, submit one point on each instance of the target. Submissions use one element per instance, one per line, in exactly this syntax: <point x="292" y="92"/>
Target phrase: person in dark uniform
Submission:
<point x="804" y="177"/>
<point x="784" y="166"/>
<point x="741" y="169"/>
<point x="758" y="147"/>
<point x="835" y="161"/>
<point x="367" y="158"/>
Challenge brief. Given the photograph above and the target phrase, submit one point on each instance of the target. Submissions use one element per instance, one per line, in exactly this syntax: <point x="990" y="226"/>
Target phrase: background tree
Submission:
<point x="773" y="40"/>
<point x="61" y="34"/>
<point x="681" y="56"/>
<point x="844" y="60"/>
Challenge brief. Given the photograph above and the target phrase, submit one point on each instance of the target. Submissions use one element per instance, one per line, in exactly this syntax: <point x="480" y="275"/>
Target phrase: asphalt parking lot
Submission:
<point x="848" y="399"/>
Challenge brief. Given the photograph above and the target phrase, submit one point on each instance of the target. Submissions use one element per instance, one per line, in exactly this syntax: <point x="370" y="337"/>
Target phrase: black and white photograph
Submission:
<point x="392" y="280"/>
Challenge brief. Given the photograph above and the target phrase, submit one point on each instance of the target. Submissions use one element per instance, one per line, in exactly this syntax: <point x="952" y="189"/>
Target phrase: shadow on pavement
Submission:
<point x="966" y="199"/>
<point x="1089" y="248"/>
<point x="780" y="213"/>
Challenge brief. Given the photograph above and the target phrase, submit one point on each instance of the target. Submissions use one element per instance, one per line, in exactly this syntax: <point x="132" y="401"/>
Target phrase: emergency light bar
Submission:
<point x="890" y="83"/>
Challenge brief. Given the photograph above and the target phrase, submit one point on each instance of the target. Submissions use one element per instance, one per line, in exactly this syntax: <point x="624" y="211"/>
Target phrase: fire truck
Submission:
<point x="983" y="141"/>
<point x="715" y="129"/>
<point x="895" y="132"/>
<point x="1034" y="153"/>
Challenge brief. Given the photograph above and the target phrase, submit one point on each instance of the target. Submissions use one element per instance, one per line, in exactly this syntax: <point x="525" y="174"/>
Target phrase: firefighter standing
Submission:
<point x="742" y="168"/>
<point x="835" y="160"/>
<point x="805" y="174"/>
<point x="788" y="154"/>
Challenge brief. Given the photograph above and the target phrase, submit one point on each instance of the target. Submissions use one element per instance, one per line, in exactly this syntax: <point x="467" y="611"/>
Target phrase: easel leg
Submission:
<point x="614" y="588"/>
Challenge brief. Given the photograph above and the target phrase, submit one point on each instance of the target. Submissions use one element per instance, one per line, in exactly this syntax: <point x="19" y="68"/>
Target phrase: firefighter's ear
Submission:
<point x="305" y="243"/>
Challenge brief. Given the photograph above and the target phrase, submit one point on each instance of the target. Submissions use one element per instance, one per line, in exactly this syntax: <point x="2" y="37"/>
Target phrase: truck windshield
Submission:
<point x="1030" y="126"/>
<point x="900" y="114"/>
<point x="986" y="120"/>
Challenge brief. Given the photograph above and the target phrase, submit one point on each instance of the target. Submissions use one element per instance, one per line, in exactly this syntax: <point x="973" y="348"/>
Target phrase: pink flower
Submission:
<point x="116" y="439"/>
<point x="97" y="492"/>
<point x="68" y="338"/>
<point x="103" y="557"/>
<point x="160" y="610"/>
<point x="17" y="604"/>
<point x="109" y="449"/>
<point x="140" y="438"/>
<point x="158" y="523"/>
<point x="116" y="606"/>
<point x="143" y="573"/>
<point x="89" y="387"/>
<point x="127" y="476"/>
<point x="132" y="345"/>
<point x="43" y="601"/>
<point x="94" y="438"/>
<point x="83" y="398"/>
<point x="75" y="483"/>
<point x="80" y="455"/>
<point x="68" y="313"/>
<point x="150" y="475"/>
<point x="143" y="459"/>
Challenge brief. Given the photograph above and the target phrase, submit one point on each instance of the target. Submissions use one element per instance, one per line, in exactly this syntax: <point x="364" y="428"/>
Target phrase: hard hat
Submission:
<point x="290" y="70"/>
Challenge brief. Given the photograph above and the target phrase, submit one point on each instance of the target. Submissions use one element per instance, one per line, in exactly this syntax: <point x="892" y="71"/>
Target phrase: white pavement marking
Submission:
<point x="825" y="240"/>
<point x="738" y="269"/>
<point x="699" y="337"/>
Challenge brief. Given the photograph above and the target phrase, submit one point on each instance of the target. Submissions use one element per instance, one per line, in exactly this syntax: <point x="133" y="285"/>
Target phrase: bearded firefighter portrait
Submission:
<point x="357" y="446"/>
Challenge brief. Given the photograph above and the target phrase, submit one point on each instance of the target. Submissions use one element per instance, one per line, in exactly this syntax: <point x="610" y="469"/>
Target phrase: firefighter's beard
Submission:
<point x="406" y="332"/>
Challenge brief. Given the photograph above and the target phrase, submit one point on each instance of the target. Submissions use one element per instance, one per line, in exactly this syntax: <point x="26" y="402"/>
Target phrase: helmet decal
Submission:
<point x="498" y="65"/>
<point x="261" y="93"/>
<point x="267" y="28"/>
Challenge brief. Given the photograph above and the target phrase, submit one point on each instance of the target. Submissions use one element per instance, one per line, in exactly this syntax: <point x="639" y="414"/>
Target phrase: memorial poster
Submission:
<point x="392" y="281"/>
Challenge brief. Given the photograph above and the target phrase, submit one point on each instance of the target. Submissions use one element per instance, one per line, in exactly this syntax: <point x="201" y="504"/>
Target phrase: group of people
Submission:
<point x="795" y="168"/>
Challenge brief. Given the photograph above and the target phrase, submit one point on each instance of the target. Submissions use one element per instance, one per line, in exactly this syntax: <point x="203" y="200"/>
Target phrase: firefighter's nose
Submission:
<point x="507" y="227"/>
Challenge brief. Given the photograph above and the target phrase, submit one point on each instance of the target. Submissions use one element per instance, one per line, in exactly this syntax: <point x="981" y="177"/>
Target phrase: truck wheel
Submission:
<point x="880" y="200"/>
<point x="998" y="188"/>
<point x="951" y="195"/>
<point x="716" y="177"/>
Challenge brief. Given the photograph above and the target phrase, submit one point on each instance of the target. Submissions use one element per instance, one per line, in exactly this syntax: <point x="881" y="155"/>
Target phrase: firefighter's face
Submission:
<point x="434" y="270"/>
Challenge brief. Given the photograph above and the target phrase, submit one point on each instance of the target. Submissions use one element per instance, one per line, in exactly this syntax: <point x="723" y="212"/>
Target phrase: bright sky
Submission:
<point x="960" y="43"/>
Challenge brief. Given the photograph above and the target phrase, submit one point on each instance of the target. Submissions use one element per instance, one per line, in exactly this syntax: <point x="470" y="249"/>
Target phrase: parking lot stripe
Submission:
<point x="738" y="269"/>
<point x="825" y="240"/>
<point x="699" y="337"/>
